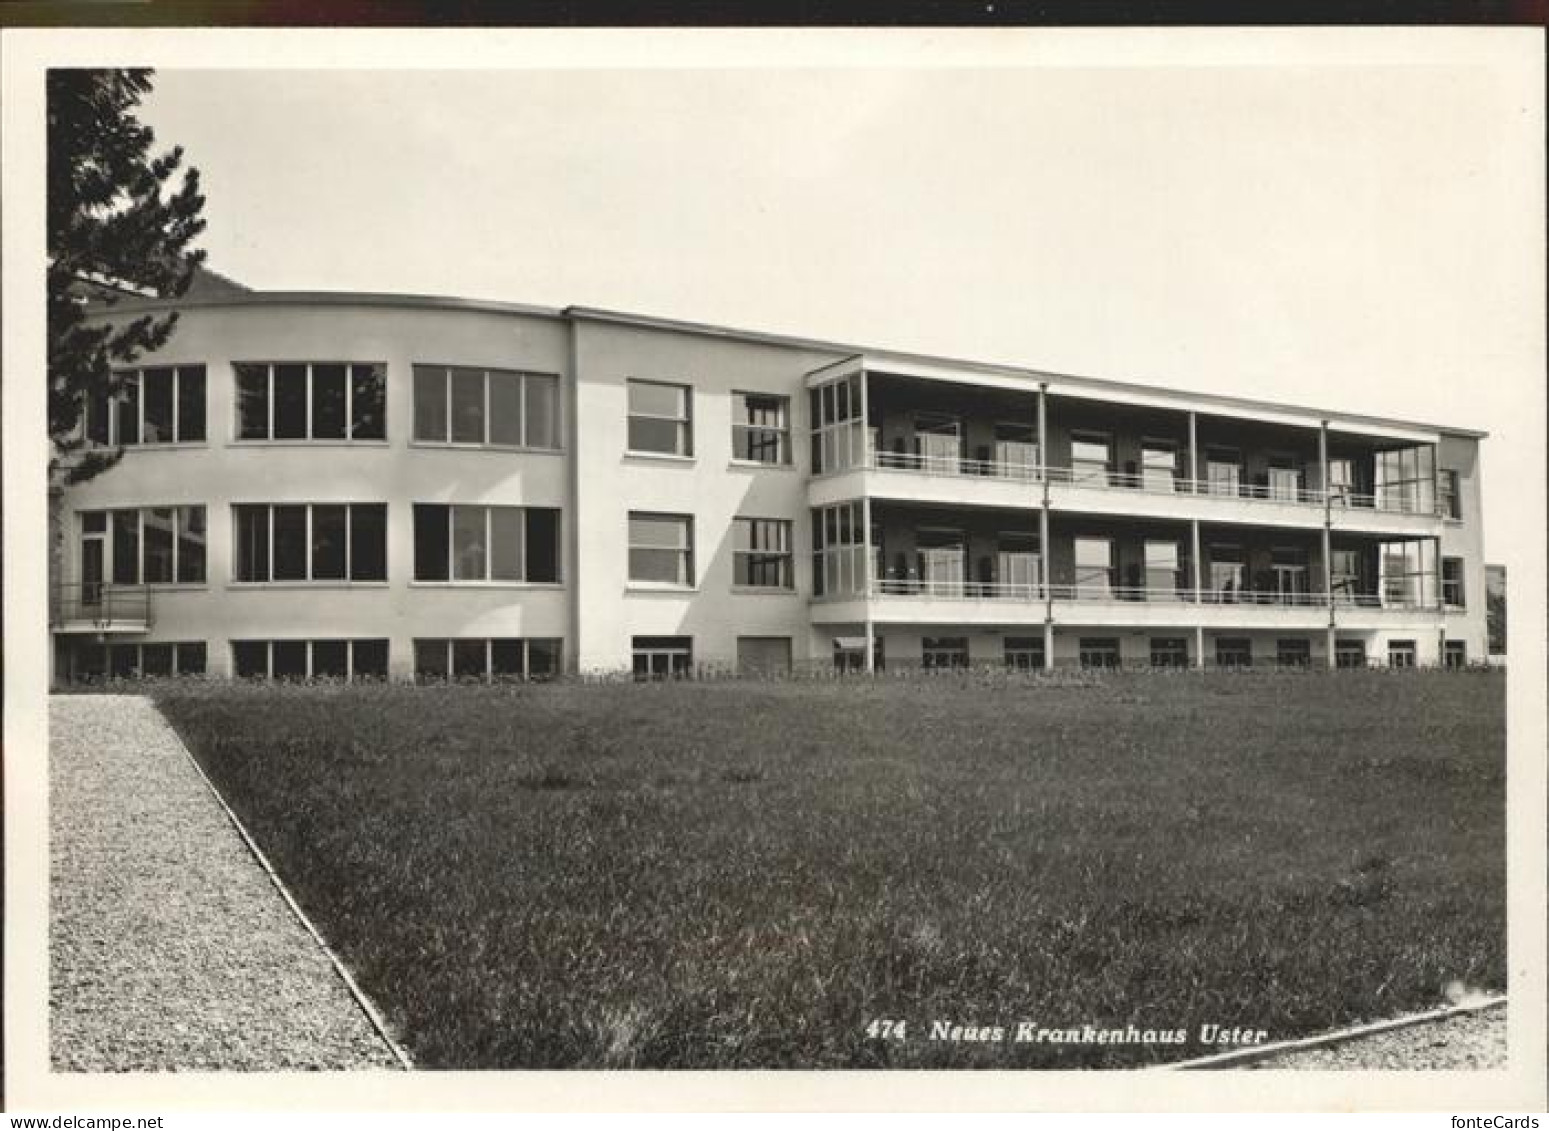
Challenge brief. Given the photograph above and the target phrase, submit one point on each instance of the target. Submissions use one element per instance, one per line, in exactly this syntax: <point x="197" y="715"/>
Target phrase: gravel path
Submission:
<point x="169" y="946"/>
<point x="1465" y="1041"/>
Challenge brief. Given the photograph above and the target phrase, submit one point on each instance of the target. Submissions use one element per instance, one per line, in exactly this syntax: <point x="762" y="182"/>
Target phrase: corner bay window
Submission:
<point x="838" y="551"/>
<point x="661" y="548"/>
<point x="143" y="546"/>
<point x="660" y="419"/>
<point x="481" y="543"/>
<point x="761" y="553"/>
<point x="318" y="400"/>
<point x="761" y="428"/>
<point x="498" y="408"/>
<point x="839" y="433"/>
<point x="310" y="542"/>
<point x="497" y="659"/>
<point x="157" y="405"/>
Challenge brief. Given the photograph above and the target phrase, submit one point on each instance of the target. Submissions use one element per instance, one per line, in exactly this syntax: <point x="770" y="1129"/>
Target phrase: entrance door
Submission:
<point x="93" y="560"/>
<point x="1018" y="573"/>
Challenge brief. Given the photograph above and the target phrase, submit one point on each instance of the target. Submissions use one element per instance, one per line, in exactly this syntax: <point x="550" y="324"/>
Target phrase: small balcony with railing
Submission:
<point x="99" y="608"/>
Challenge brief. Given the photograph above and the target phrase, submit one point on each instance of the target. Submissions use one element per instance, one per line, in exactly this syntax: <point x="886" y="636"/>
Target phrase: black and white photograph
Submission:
<point x="994" y="560"/>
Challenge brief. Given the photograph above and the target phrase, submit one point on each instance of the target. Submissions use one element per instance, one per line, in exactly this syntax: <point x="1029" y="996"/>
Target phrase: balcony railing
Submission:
<point x="99" y="606"/>
<point x="1029" y="592"/>
<point x="1153" y="483"/>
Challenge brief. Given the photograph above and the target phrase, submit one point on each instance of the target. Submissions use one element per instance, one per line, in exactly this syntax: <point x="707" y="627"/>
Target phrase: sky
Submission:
<point x="1367" y="238"/>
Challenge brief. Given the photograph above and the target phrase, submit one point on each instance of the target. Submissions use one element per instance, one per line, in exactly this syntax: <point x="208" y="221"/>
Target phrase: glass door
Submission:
<point x="94" y="544"/>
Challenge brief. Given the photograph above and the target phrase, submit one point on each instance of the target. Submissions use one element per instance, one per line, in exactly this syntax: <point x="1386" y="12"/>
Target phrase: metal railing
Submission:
<point x="953" y="589"/>
<point x="101" y="605"/>
<point x="1151" y="483"/>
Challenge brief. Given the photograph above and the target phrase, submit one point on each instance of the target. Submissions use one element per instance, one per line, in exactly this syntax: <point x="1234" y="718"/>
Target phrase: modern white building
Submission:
<point x="359" y="484"/>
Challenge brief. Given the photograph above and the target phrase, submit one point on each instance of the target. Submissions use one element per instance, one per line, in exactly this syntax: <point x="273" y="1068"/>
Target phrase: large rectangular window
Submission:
<point x="1223" y="471"/>
<point x="761" y="553"/>
<point x="310" y="542"/>
<point x="317" y="400"/>
<point x="761" y="428"/>
<point x="480" y="543"/>
<point x="341" y="659"/>
<point x="1024" y="653"/>
<point x="662" y="657"/>
<point x="1169" y="652"/>
<point x="1291" y="652"/>
<point x="661" y="548"/>
<point x="1406" y="480"/>
<point x="1234" y="652"/>
<point x="1409" y="572"/>
<point x="1401" y="653"/>
<point x="496" y="659"/>
<point x="660" y="418"/>
<point x="1454" y="653"/>
<point x="158" y="405"/>
<point x="152" y="660"/>
<point x="497" y="408"/>
<point x="1349" y="653"/>
<point x="1098" y="651"/>
<point x="145" y="545"/>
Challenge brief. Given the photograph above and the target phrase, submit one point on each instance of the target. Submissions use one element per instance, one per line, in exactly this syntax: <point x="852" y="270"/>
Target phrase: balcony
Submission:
<point x="959" y="602"/>
<point x="98" y="608"/>
<point x="1015" y="479"/>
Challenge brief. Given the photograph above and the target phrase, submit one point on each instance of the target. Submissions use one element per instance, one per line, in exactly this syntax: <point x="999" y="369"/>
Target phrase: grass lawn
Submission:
<point x="746" y="874"/>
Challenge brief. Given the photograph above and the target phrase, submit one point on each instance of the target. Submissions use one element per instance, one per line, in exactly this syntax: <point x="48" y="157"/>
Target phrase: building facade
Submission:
<point x="368" y="485"/>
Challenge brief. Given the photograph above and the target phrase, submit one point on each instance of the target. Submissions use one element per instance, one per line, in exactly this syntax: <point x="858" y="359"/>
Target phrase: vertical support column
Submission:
<point x="869" y="586"/>
<point x="1193" y="453"/>
<point x="1328" y="539"/>
<point x="1196" y="568"/>
<point x="1044" y="548"/>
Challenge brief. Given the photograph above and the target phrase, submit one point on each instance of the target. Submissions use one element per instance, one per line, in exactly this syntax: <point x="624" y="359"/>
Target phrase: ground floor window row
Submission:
<point x="495" y="658"/>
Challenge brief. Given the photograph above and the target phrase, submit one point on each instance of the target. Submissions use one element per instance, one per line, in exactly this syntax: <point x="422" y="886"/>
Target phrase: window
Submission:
<point x="319" y="400"/>
<point x="1223" y="471"/>
<point x="309" y="659"/>
<point x="1016" y="449"/>
<point x="1454" y="653"/>
<point x="1091" y="459"/>
<point x="1452" y="582"/>
<point x="1401" y="653"/>
<point x="1341" y="481"/>
<point x="1349" y="654"/>
<point x="1288" y="566"/>
<point x="1099" y="651"/>
<point x="763" y="655"/>
<point x="1094" y="568"/>
<point x="761" y="428"/>
<point x="840" y="438"/>
<point x="761" y="553"/>
<point x="497" y="408"/>
<point x="941" y="561"/>
<point x="479" y="543"/>
<point x="161" y="405"/>
<point x="1345" y="575"/>
<point x="310" y="542"/>
<point x="661" y="657"/>
<point x="1162" y="572"/>
<point x="144" y="546"/>
<point x="1226" y="566"/>
<point x="1025" y="653"/>
<point x="1234" y="652"/>
<point x="1408" y="573"/>
<point x="1158" y="466"/>
<point x="839" y="552"/>
<point x="496" y="659"/>
<point x="944" y="652"/>
<point x="149" y="660"/>
<point x="850" y="654"/>
<point x="1406" y="481"/>
<point x="938" y="441"/>
<point x="1451" y="503"/>
<point x="660" y="420"/>
<point x="661" y="548"/>
<point x="1285" y="479"/>
<point x="1291" y="652"/>
<point x="1169" y="652"/>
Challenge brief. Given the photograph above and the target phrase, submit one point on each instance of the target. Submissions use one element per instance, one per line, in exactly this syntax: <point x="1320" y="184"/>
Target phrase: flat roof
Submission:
<point x="1097" y="385"/>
